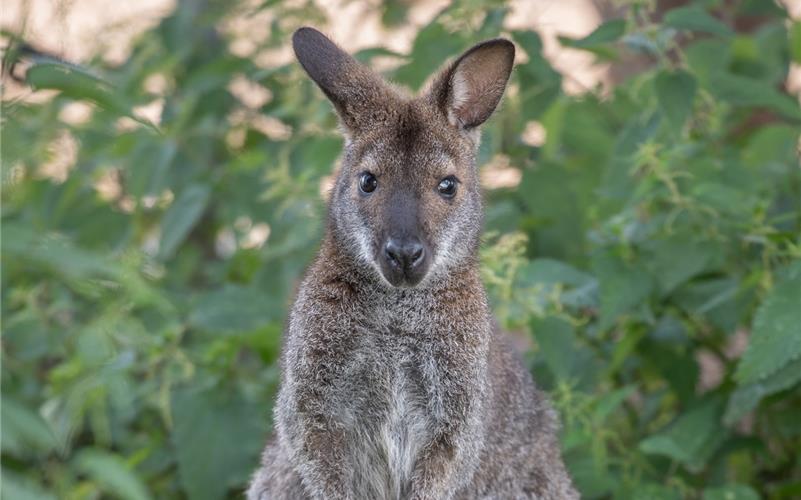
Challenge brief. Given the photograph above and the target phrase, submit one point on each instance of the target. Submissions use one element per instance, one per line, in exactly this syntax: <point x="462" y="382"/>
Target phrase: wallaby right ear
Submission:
<point x="359" y="95"/>
<point x="469" y="89"/>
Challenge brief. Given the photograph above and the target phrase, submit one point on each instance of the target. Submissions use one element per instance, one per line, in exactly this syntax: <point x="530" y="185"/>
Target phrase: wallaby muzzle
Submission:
<point x="403" y="256"/>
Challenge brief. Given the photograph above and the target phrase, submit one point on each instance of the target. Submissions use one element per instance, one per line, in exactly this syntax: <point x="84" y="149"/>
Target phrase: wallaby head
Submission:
<point x="407" y="202"/>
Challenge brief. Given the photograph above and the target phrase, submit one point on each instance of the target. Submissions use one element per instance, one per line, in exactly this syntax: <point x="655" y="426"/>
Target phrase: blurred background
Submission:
<point x="165" y="165"/>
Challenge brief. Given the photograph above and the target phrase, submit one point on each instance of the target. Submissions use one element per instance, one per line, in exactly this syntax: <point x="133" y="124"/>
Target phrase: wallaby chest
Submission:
<point x="391" y="420"/>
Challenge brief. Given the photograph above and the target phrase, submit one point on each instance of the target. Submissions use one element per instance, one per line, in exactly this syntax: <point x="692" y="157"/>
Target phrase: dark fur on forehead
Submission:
<point x="408" y="127"/>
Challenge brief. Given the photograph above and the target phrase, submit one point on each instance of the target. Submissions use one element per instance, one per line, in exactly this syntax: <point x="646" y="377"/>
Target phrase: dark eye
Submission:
<point x="367" y="182"/>
<point x="447" y="187"/>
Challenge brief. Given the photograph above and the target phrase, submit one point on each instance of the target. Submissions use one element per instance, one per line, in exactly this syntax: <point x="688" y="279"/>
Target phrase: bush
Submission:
<point x="652" y="250"/>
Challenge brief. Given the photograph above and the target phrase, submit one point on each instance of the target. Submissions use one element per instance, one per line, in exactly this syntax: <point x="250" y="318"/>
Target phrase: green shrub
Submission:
<point x="652" y="251"/>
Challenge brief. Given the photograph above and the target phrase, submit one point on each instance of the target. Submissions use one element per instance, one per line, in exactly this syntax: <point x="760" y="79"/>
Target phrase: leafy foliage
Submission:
<point x="655" y="231"/>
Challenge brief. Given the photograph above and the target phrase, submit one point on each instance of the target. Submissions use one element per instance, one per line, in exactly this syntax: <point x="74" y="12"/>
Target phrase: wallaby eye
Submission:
<point x="447" y="186"/>
<point x="367" y="182"/>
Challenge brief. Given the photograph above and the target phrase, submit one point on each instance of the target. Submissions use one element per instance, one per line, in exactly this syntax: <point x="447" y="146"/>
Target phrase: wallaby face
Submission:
<point x="407" y="201"/>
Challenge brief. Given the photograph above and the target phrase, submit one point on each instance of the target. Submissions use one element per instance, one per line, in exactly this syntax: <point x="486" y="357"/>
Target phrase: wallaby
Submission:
<point x="395" y="385"/>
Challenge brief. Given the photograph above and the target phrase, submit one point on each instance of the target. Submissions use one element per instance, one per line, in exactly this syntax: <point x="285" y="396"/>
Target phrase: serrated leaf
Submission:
<point x="678" y="258"/>
<point x="776" y="331"/>
<point x="181" y="217"/>
<point x="566" y="358"/>
<point x="746" y="397"/>
<point x="690" y="437"/>
<point x="112" y="474"/>
<point x="675" y="92"/>
<point x="695" y="18"/>
<point x="217" y="436"/>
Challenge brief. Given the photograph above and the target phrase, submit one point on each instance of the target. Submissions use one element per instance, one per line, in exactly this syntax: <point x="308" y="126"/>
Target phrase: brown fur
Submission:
<point x="399" y="387"/>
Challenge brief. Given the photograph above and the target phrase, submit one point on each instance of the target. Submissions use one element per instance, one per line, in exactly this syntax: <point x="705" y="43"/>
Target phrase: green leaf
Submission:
<point x="609" y="31"/>
<point x="776" y="331"/>
<point x="622" y="287"/>
<point x="181" y="217"/>
<point x="580" y="289"/>
<point x="746" y="397"/>
<point x="566" y="358"/>
<point x="731" y="492"/>
<point x="217" y="437"/>
<point x="690" y="437"/>
<point x="112" y="474"/>
<point x="795" y="41"/>
<point x="696" y="19"/>
<point x="591" y="478"/>
<point x="745" y="91"/>
<point x="653" y="491"/>
<point x="233" y="309"/>
<point x="556" y="338"/>
<point x="540" y="83"/>
<point x="610" y="402"/>
<point x="552" y="271"/>
<point x="79" y="83"/>
<point x="432" y="45"/>
<point x="678" y="258"/>
<point x="675" y="92"/>
<point x="599" y="39"/>
<point x="16" y="487"/>
<point x="24" y="432"/>
<point x="55" y="253"/>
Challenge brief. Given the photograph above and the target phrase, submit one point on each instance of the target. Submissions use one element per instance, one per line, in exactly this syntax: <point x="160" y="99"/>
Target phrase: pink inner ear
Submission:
<point x="477" y="85"/>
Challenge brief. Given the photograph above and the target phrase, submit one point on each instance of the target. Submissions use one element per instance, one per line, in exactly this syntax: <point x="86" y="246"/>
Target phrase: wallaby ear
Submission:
<point x="469" y="89"/>
<point x="359" y="95"/>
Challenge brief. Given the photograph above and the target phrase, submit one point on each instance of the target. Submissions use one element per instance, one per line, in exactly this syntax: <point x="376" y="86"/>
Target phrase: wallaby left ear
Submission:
<point x="469" y="89"/>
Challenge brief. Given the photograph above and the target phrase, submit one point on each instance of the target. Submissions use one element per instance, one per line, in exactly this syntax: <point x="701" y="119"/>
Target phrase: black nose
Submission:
<point x="405" y="254"/>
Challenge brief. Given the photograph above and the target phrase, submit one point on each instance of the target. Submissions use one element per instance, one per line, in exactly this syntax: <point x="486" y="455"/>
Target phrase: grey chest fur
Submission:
<point x="390" y="419"/>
